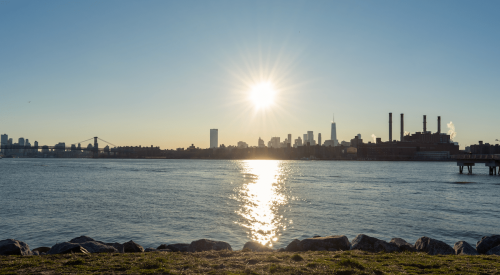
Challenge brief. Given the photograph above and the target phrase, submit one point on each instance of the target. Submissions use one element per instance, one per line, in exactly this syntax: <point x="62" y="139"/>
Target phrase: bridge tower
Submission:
<point x="96" y="148"/>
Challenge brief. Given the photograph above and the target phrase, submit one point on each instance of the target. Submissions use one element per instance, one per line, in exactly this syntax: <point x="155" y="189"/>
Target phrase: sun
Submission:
<point x="263" y="94"/>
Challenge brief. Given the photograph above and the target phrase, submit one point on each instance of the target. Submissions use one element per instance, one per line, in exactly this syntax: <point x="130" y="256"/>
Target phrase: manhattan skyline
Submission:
<point x="164" y="73"/>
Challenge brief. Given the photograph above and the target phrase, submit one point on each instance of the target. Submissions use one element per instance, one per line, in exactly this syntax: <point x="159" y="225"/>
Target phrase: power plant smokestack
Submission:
<point x="439" y="125"/>
<point x="425" y="124"/>
<point x="402" y="127"/>
<point x="390" y="127"/>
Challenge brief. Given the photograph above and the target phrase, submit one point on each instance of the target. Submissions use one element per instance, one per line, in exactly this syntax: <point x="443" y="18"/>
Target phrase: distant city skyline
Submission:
<point x="166" y="72"/>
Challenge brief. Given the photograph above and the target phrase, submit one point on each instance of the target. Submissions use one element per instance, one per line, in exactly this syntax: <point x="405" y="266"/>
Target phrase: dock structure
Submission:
<point x="492" y="161"/>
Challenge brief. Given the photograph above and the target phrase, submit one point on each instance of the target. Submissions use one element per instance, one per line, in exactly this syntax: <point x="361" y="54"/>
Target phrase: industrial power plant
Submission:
<point x="420" y="145"/>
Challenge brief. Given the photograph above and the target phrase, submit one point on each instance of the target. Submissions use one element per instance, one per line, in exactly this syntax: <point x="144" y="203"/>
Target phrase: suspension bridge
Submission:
<point x="14" y="149"/>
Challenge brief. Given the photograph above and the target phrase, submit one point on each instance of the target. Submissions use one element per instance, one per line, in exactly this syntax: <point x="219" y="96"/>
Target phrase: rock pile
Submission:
<point x="489" y="245"/>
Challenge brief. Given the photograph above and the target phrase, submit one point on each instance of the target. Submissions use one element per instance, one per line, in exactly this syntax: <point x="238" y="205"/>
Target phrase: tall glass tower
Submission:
<point x="214" y="138"/>
<point x="334" y="133"/>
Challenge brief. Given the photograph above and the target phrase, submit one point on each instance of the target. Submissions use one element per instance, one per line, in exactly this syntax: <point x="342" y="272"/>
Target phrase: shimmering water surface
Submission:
<point x="44" y="201"/>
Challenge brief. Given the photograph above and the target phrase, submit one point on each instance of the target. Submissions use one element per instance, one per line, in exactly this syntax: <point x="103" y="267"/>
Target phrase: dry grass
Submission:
<point x="241" y="262"/>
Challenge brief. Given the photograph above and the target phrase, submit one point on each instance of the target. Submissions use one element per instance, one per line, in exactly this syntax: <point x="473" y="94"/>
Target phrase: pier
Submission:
<point x="492" y="161"/>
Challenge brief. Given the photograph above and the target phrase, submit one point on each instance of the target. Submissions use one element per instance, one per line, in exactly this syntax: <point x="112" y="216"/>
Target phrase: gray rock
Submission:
<point x="150" y="249"/>
<point x="35" y="253"/>
<point x="83" y="239"/>
<point x="257" y="247"/>
<point x="98" y="247"/>
<point x="131" y="246"/>
<point x="494" y="251"/>
<point x="464" y="248"/>
<point x="486" y="243"/>
<point x="42" y="249"/>
<point x="118" y="246"/>
<point x="14" y="247"/>
<point x="371" y="244"/>
<point x="177" y="247"/>
<point x="162" y="246"/>
<point x="206" y="245"/>
<point x="433" y="247"/>
<point x="330" y="243"/>
<point x="66" y="247"/>
<point x="403" y="245"/>
<point x="293" y="246"/>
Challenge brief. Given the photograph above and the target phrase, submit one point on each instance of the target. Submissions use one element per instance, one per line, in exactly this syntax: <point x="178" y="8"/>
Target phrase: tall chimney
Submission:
<point x="439" y="124"/>
<point x="390" y="127"/>
<point x="402" y="128"/>
<point x="425" y="124"/>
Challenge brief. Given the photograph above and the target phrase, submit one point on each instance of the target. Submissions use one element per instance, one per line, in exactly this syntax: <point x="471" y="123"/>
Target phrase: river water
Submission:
<point x="44" y="201"/>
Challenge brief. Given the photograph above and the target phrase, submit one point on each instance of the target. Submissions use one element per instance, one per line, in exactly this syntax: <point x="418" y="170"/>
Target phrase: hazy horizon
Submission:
<point x="164" y="73"/>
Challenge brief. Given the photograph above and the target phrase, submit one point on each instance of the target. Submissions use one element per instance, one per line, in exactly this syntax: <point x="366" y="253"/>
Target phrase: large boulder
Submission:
<point x="83" y="239"/>
<point x="330" y="243"/>
<point x="486" y="243"/>
<point x="131" y="246"/>
<point x="14" y="247"/>
<point x="494" y="251"/>
<point x="257" y="247"/>
<point x="67" y="247"/>
<point x="93" y="246"/>
<point x="293" y="246"/>
<point x="403" y="245"/>
<point x="98" y="247"/>
<point x="206" y="245"/>
<point x="464" y="248"/>
<point x="371" y="244"/>
<point x="433" y="247"/>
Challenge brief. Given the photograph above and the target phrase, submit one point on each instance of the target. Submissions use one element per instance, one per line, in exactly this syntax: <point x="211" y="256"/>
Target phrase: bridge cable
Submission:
<point x="82" y="141"/>
<point x="107" y="142"/>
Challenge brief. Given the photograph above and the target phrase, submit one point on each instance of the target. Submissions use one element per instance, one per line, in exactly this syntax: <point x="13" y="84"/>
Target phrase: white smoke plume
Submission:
<point x="374" y="137"/>
<point x="451" y="130"/>
<point x="407" y="133"/>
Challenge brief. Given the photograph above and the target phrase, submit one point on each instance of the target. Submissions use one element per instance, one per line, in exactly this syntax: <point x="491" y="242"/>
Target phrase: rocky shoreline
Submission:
<point x="488" y="245"/>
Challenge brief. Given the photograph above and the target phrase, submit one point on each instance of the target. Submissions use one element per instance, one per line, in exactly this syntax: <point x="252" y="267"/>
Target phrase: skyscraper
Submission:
<point x="261" y="143"/>
<point x="4" y="141"/>
<point x="319" y="139"/>
<point x="334" y="133"/>
<point x="310" y="137"/>
<point x="214" y="138"/>
<point x="290" y="139"/>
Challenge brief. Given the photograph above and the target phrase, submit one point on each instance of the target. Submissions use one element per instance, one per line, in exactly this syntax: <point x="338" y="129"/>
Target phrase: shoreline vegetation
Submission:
<point x="317" y="255"/>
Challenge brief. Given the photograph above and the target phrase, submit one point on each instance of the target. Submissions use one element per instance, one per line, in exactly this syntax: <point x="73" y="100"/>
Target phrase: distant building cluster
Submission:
<point x="420" y="145"/>
<point x="275" y="142"/>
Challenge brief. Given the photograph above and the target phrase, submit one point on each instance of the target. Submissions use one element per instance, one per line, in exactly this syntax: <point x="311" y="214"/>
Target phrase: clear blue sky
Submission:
<point x="165" y="72"/>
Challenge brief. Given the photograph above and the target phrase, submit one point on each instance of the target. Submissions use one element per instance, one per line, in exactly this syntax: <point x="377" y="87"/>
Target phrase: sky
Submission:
<point x="164" y="73"/>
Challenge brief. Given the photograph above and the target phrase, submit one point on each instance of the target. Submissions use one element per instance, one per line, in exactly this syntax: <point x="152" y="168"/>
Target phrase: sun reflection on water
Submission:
<point x="261" y="197"/>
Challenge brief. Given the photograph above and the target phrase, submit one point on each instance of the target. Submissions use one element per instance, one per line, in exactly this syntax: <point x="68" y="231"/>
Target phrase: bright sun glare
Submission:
<point x="263" y="94"/>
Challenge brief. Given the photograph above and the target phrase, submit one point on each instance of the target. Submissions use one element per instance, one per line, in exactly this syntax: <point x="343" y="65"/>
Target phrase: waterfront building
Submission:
<point x="290" y="139"/>
<point x="329" y="143"/>
<point x="261" y="143"/>
<point x="319" y="139"/>
<point x="214" y="138"/>
<point x="3" y="142"/>
<point x="298" y="142"/>
<point x="310" y="137"/>
<point x="242" y="144"/>
<point x="345" y="143"/>
<point x="275" y="142"/>
<point x="304" y="139"/>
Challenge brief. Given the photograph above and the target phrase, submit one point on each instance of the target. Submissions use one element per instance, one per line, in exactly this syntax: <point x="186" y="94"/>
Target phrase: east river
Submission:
<point x="44" y="201"/>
